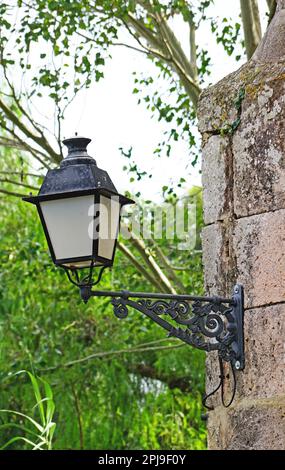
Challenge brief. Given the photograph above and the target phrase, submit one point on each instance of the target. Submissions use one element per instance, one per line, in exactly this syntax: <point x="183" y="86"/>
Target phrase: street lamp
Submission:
<point x="80" y="208"/>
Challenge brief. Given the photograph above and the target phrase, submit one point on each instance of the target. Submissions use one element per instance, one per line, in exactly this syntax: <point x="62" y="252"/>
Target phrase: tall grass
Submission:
<point x="36" y="433"/>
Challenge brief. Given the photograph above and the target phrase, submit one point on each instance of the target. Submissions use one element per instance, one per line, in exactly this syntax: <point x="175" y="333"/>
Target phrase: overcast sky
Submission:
<point x="108" y="113"/>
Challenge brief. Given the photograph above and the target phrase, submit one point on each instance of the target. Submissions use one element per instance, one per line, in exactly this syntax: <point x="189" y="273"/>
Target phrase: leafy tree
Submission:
<point x="116" y="384"/>
<point x="52" y="50"/>
<point x="60" y="47"/>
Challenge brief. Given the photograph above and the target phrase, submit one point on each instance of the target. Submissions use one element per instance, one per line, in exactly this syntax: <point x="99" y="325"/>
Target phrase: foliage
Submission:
<point x="148" y="398"/>
<point x="61" y="47"/>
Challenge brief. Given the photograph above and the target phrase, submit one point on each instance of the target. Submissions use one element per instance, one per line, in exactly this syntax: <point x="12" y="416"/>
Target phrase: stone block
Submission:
<point x="250" y="425"/>
<point x="259" y="248"/>
<point x="264" y="374"/>
<point x="215" y="178"/>
<point x="213" y="246"/>
<point x="259" y="150"/>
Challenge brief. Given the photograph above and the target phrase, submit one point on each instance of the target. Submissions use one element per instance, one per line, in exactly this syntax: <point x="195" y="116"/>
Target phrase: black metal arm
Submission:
<point x="210" y="323"/>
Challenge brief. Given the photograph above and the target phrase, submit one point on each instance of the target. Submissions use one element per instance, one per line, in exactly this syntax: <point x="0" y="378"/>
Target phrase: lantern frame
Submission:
<point x="99" y="260"/>
<point x="78" y="176"/>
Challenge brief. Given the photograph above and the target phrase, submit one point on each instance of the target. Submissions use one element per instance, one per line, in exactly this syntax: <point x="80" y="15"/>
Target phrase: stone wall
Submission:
<point x="242" y="121"/>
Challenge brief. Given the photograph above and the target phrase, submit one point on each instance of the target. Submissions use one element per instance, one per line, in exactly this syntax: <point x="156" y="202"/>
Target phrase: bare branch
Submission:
<point x="40" y="156"/>
<point x="19" y="105"/>
<point x="13" y="143"/>
<point x="174" y="46"/>
<point x="41" y="141"/>
<point x="178" y="59"/>
<point x="128" y="46"/>
<point x="145" y="32"/>
<point x="162" y="43"/>
<point x="193" y="47"/>
<point x="21" y="173"/>
<point x="140" y="246"/>
<point x="11" y="193"/>
<point x="149" y="50"/>
<point x="105" y="354"/>
<point x="17" y="183"/>
<point x="141" y="269"/>
<point x="165" y="263"/>
<point x="251" y="25"/>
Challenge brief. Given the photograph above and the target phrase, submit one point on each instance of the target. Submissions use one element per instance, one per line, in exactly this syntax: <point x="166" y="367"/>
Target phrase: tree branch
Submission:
<point x="109" y="354"/>
<point x="41" y="141"/>
<point x="140" y="246"/>
<point x="174" y="46"/>
<point x="19" y="105"/>
<point x="180" y="268"/>
<point x="6" y="142"/>
<point x="17" y="183"/>
<point x="141" y="269"/>
<point x="251" y="25"/>
<point x="167" y="45"/>
<point x="157" y="52"/>
<point x="21" y="173"/>
<point x="133" y="48"/>
<point x="11" y="193"/>
<point x="193" y="47"/>
<point x="181" y="64"/>
<point x="25" y="146"/>
<point x="148" y="371"/>
<point x="165" y="263"/>
<point x="146" y="33"/>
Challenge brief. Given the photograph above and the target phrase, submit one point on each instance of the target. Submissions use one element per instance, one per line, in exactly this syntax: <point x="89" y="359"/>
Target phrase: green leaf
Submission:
<point x="38" y="396"/>
<point x="37" y="425"/>
<point x="18" y="438"/>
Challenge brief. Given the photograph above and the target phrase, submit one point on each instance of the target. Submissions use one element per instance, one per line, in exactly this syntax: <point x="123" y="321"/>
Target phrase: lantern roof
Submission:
<point x="78" y="174"/>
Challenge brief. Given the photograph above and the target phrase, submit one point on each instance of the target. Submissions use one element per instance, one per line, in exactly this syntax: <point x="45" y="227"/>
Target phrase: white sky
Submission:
<point x="108" y="113"/>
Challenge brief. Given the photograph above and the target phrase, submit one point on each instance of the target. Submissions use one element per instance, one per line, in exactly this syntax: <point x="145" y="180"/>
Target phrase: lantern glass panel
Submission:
<point x="109" y="218"/>
<point x="68" y="224"/>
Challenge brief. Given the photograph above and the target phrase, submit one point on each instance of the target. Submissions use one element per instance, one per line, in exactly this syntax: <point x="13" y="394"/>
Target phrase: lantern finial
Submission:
<point x="77" y="151"/>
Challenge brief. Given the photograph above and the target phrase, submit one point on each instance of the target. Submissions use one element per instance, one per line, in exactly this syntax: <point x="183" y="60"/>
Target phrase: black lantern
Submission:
<point x="79" y="208"/>
<point x="80" y="212"/>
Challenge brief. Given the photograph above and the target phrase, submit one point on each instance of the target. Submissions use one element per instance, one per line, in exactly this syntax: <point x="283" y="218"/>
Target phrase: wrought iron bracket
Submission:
<point x="207" y="323"/>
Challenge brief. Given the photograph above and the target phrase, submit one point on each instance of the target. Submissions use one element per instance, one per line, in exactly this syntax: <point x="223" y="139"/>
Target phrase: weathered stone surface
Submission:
<point x="264" y="373"/>
<point x="259" y="150"/>
<point x="220" y="107"/>
<point x="280" y="4"/>
<point x="245" y="240"/>
<point x="212" y="237"/>
<point x="213" y="380"/>
<point x="258" y="258"/>
<point x="259" y="247"/>
<point x="271" y="47"/>
<point x="250" y="425"/>
<point x="215" y="107"/>
<point x="215" y="178"/>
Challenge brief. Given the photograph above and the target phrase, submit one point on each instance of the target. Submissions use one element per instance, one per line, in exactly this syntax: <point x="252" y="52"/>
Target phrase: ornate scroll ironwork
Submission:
<point x="211" y="325"/>
<point x="207" y="323"/>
